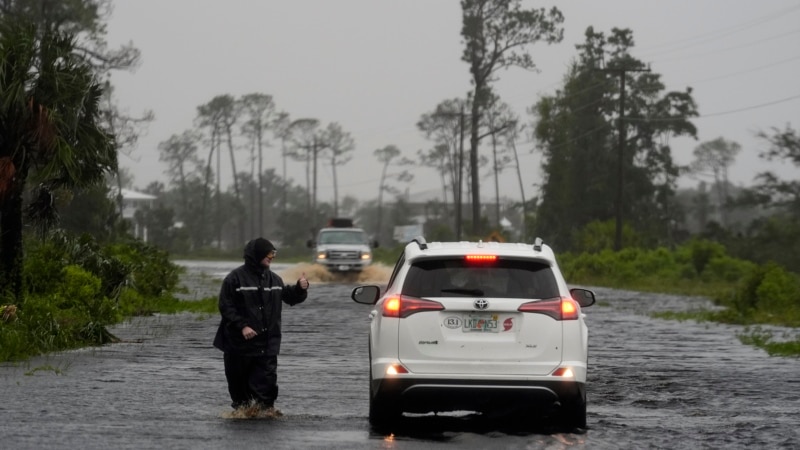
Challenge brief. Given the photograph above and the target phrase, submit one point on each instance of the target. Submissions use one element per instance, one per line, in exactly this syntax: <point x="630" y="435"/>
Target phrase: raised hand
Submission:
<point x="303" y="281"/>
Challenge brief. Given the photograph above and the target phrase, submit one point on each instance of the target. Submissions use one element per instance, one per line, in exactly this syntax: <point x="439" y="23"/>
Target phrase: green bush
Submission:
<point x="725" y="268"/>
<point x="767" y="294"/>
<point x="388" y="255"/>
<point x="74" y="314"/>
<point x="132" y="303"/>
<point x="701" y="252"/>
<point x="598" y="236"/>
<point x="74" y="288"/>
<point x="44" y="259"/>
<point x="779" y="290"/>
<point x="152" y="274"/>
<point x="81" y="291"/>
<point x="744" y="299"/>
<point x="586" y="266"/>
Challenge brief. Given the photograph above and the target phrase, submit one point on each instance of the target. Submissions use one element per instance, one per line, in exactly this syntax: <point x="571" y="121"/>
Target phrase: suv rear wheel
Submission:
<point x="573" y="412"/>
<point x="381" y="413"/>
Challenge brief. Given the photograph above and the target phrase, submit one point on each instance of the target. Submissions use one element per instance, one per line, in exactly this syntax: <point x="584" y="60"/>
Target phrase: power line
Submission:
<point x="721" y="33"/>
<point x="721" y="113"/>
<point x="754" y="69"/>
<point x="727" y="49"/>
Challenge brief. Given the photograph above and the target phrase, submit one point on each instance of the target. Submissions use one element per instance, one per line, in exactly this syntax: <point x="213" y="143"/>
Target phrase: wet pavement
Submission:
<point x="652" y="384"/>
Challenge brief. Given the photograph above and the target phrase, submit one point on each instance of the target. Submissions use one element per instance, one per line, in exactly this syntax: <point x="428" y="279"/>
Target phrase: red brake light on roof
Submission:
<point x="403" y="306"/>
<point x="557" y="308"/>
<point x="481" y="258"/>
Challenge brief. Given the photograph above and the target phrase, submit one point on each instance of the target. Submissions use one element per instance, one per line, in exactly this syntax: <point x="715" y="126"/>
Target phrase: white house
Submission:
<point x="133" y="201"/>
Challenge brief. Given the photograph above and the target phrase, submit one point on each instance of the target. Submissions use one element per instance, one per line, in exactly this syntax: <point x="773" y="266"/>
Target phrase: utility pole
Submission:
<point x="621" y="152"/>
<point x="314" y="180"/>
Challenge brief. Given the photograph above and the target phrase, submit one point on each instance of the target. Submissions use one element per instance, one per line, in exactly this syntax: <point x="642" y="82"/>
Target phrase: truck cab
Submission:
<point x="342" y="247"/>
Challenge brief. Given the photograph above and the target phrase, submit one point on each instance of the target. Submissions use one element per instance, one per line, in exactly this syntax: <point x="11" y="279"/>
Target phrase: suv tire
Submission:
<point x="381" y="413"/>
<point x="573" y="412"/>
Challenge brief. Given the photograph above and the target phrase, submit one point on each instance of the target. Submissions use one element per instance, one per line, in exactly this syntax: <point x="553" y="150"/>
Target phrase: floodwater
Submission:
<point x="652" y="384"/>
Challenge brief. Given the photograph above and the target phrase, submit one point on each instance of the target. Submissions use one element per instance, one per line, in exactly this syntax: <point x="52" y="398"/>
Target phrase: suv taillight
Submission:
<point x="557" y="308"/>
<point x="402" y="306"/>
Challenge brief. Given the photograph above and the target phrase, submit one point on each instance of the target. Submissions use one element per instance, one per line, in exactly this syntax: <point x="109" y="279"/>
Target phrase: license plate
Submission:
<point x="481" y="324"/>
<point x="343" y="268"/>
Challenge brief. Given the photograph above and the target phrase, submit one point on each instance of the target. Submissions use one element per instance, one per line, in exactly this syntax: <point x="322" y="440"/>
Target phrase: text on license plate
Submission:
<point x="482" y="324"/>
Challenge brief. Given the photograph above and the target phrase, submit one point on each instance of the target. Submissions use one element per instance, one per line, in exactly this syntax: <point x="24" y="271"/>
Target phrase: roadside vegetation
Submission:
<point x="75" y="288"/>
<point x="748" y="293"/>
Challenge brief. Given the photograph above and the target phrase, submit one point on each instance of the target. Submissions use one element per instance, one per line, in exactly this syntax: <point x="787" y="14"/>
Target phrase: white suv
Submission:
<point x="477" y="326"/>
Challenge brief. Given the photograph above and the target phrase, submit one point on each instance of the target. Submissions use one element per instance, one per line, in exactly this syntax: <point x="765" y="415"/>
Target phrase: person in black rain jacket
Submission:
<point x="250" y="301"/>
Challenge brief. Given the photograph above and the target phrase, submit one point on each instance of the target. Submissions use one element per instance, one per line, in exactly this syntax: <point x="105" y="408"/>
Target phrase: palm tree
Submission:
<point x="49" y="133"/>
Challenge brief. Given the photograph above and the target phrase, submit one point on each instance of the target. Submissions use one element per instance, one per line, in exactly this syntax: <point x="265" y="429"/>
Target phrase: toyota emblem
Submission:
<point x="481" y="303"/>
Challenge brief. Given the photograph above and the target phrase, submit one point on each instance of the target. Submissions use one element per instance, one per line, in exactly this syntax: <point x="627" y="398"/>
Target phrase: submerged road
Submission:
<point x="652" y="384"/>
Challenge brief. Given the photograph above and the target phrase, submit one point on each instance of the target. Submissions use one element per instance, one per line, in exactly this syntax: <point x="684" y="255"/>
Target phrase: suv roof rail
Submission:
<point x="421" y="242"/>
<point x="537" y="244"/>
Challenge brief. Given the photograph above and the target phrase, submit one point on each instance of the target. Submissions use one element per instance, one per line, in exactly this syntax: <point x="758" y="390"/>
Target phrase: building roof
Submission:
<point x="129" y="194"/>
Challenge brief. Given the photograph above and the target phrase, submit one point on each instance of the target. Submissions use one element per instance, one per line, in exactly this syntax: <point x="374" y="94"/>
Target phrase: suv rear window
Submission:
<point x="458" y="278"/>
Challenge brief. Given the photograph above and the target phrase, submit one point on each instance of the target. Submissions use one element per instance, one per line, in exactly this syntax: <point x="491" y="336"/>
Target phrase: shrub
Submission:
<point x="779" y="290"/>
<point x="152" y="274"/>
<point x="81" y="291"/>
<point x="702" y="252"/>
<point x="725" y="268"/>
<point x="74" y="288"/>
<point x="44" y="259"/>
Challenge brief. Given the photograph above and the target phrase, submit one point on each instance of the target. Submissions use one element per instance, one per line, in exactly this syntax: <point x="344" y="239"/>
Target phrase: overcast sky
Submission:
<point x="375" y="66"/>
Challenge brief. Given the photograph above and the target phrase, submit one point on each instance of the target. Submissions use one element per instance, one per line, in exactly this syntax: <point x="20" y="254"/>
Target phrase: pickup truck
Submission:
<point x="342" y="247"/>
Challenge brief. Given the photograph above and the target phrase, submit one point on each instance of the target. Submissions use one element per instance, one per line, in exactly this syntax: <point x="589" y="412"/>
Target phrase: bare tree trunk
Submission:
<point x="473" y="161"/>
<point x="219" y="196"/>
<point x="524" y="233"/>
<point x="285" y="184"/>
<point x="335" y="189"/>
<point x="496" y="181"/>
<point x="206" y="189"/>
<point x="314" y="197"/>
<point x="239" y="214"/>
<point x="261" y="231"/>
<point x="254" y="222"/>
<point x="460" y="173"/>
<point x="380" y="202"/>
<point x="308" y="181"/>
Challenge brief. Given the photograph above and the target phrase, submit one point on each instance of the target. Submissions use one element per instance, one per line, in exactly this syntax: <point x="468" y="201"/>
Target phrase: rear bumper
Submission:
<point x="437" y="395"/>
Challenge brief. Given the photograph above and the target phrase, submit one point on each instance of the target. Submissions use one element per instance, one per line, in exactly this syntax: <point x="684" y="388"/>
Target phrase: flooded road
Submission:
<point x="652" y="384"/>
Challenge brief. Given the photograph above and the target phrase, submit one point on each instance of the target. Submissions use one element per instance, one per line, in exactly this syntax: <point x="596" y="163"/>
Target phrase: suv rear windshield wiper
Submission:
<point x="478" y="292"/>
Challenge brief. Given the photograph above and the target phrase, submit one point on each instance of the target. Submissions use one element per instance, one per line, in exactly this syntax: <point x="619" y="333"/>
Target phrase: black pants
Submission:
<point x="252" y="378"/>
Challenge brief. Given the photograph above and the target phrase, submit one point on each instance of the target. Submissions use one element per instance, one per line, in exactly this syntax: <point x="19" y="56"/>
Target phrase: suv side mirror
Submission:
<point x="584" y="297"/>
<point x="310" y="243"/>
<point x="374" y="244"/>
<point x="366" y="295"/>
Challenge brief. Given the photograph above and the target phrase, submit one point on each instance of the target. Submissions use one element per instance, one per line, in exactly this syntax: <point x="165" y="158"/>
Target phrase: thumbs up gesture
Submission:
<point x="303" y="281"/>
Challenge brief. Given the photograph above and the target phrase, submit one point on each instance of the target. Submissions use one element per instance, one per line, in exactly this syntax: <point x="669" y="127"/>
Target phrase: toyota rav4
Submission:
<point x="477" y="326"/>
